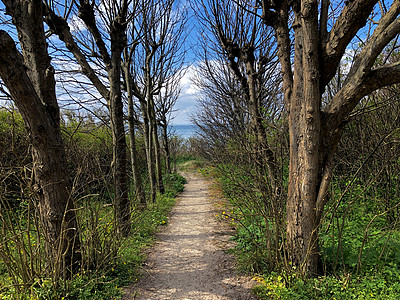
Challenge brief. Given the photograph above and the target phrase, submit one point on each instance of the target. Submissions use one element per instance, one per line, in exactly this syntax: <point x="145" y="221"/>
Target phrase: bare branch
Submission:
<point x="60" y="27"/>
<point x="352" y="18"/>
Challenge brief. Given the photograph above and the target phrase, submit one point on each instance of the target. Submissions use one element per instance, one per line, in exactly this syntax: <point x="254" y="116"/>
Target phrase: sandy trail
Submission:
<point x="188" y="261"/>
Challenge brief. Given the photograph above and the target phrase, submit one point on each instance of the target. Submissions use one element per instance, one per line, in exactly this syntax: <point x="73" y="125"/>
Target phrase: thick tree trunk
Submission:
<point x="305" y="143"/>
<point x="30" y="80"/>
<point x="314" y="135"/>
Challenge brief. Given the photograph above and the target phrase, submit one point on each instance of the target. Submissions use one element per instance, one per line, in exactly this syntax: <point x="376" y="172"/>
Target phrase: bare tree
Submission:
<point x="165" y="102"/>
<point x="247" y="46"/>
<point x="156" y="59"/>
<point x="29" y="77"/>
<point x="107" y="46"/>
<point x="320" y="42"/>
<point x="229" y="127"/>
<point x="222" y="113"/>
<point x="132" y="120"/>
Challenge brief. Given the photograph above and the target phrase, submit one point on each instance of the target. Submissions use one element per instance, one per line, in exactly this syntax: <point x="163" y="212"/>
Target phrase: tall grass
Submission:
<point x="109" y="262"/>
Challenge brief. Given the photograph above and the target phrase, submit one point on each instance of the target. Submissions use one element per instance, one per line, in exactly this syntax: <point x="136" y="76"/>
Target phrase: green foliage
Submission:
<point x="359" y="244"/>
<point x="175" y="184"/>
<point x="88" y="147"/>
<point x="257" y="228"/>
<point x="110" y="262"/>
<point x="11" y="123"/>
<point x="14" y="156"/>
<point x="345" y="286"/>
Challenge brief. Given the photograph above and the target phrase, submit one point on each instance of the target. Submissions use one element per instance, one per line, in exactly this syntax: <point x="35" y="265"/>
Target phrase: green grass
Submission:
<point x="106" y="278"/>
<point x="343" y="287"/>
<point x="360" y="246"/>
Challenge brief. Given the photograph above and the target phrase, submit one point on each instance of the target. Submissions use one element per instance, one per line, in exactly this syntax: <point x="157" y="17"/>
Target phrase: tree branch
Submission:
<point x="13" y="72"/>
<point x="361" y="80"/>
<point x="27" y="18"/>
<point x="279" y="20"/>
<point x="348" y="97"/>
<point x="352" y="18"/>
<point x="60" y="27"/>
<point x="387" y="30"/>
<point x="86" y="13"/>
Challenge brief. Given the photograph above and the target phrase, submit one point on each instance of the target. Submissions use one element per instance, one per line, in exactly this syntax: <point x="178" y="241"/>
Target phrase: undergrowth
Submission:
<point x="359" y="246"/>
<point x="101" y="277"/>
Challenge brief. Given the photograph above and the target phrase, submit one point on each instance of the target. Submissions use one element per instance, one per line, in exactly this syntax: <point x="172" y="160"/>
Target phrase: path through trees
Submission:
<point x="189" y="261"/>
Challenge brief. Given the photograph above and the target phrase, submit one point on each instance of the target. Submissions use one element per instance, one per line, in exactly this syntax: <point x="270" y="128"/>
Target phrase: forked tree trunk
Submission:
<point x="315" y="133"/>
<point x="30" y="80"/>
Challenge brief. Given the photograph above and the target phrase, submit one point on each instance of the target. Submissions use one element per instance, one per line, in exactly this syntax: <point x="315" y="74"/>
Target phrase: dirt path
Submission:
<point x="189" y="261"/>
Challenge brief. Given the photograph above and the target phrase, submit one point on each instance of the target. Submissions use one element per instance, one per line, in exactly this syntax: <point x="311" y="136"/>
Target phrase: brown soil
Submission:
<point x="189" y="260"/>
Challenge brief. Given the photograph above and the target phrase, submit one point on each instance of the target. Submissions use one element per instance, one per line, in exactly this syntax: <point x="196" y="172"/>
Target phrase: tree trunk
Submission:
<point x="148" y="141"/>
<point x="305" y="144"/>
<point x="134" y="160"/>
<point x="121" y="197"/>
<point x="113" y="96"/>
<point x="157" y="152"/>
<point x="166" y="147"/>
<point x="315" y="134"/>
<point x="266" y="155"/>
<point x="30" y="80"/>
<point x="151" y="115"/>
<point x="147" y="109"/>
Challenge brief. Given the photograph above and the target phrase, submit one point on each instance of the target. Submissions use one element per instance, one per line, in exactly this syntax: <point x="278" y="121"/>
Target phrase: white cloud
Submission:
<point x="76" y="24"/>
<point x="188" y="87"/>
<point x="186" y="104"/>
<point x="183" y="109"/>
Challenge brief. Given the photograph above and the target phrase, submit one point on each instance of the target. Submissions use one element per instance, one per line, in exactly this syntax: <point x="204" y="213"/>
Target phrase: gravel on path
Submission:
<point x="189" y="261"/>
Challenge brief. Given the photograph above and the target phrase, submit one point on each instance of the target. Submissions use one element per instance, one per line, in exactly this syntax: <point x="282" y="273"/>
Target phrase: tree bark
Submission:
<point x="148" y="141"/>
<point x="113" y="95"/>
<point x="166" y="147"/>
<point x="157" y="151"/>
<point x="151" y="115"/>
<point x="30" y="80"/>
<point x="122" y="203"/>
<point x="315" y="134"/>
<point x="134" y="156"/>
<point x="305" y="137"/>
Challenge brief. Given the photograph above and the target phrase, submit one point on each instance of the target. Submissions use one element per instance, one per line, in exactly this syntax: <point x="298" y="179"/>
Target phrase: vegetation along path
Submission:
<point x="189" y="261"/>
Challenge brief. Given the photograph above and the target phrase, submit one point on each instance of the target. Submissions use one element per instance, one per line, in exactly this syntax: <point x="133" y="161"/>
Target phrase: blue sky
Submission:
<point x="186" y="103"/>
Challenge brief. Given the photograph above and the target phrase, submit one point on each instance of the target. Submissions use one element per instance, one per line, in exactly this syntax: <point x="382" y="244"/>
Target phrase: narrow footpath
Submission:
<point x="189" y="261"/>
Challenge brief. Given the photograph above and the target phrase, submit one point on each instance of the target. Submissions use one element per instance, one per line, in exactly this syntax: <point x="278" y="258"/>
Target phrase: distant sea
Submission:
<point x="186" y="131"/>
